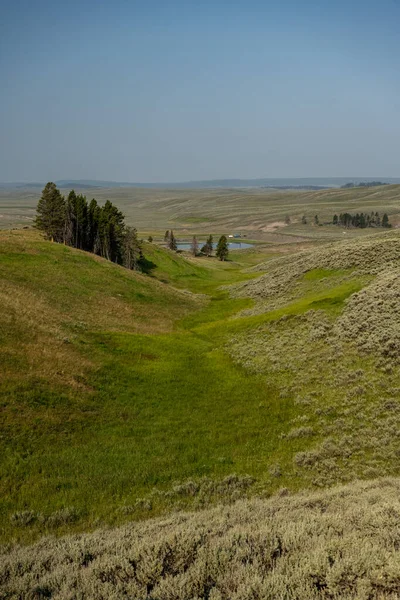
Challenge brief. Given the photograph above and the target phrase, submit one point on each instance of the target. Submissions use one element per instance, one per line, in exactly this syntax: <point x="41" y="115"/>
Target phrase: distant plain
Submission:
<point x="258" y="213"/>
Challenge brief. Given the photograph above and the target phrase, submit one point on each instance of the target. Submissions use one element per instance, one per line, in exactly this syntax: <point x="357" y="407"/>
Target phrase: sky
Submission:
<point x="174" y="90"/>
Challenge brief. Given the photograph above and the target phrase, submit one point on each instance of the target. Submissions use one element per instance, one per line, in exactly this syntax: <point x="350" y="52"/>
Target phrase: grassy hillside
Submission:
<point x="337" y="544"/>
<point x="125" y="397"/>
<point x="107" y="391"/>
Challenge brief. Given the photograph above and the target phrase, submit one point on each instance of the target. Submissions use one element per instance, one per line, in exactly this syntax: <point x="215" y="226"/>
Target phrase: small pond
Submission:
<point x="231" y="245"/>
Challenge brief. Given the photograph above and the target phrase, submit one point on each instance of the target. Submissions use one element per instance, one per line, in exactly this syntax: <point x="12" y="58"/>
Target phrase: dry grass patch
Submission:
<point x="342" y="543"/>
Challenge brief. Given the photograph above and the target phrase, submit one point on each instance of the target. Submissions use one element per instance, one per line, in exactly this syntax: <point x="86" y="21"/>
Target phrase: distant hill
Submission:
<point x="284" y="183"/>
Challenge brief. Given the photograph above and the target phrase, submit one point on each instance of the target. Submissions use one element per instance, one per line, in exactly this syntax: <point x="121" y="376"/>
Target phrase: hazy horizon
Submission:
<point x="283" y="180"/>
<point x="165" y="92"/>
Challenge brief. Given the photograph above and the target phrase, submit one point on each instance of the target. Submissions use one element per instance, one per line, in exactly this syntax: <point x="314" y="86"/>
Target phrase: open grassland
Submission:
<point x="259" y="213"/>
<point x="128" y="396"/>
<point x="337" y="544"/>
<point x="109" y="393"/>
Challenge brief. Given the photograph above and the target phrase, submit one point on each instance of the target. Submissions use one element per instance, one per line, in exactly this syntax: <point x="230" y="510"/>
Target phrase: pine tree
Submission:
<point x="172" y="242"/>
<point x="335" y="219"/>
<point x="304" y="220"/>
<point x="51" y="213"/>
<point x="385" y="221"/>
<point x="222" y="248"/>
<point x="316" y="220"/>
<point x="70" y="220"/>
<point x="111" y="232"/>
<point x="76" y="222"/>
<point x="132" y="251"/>
<point x="81" y="209"/>
<point x="166" y="236"/>
<point x="194" y="246"/>
<point x="208" y="246"/>
<point x="92" y="234"/>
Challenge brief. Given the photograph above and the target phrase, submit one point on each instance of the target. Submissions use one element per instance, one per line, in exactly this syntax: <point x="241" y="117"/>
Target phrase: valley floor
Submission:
<point x="128" y="396"/>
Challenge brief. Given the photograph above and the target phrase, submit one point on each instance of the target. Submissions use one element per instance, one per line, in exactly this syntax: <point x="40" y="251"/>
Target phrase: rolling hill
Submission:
<point x="140" y="397"/>
<point x="258" y="213"/>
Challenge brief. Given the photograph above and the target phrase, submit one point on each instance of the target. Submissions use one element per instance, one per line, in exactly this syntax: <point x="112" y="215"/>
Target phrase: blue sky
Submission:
<point x="173" y="90"/>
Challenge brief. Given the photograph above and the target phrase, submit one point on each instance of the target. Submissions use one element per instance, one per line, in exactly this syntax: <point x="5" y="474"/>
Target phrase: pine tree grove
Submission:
<point x="361" y="220"/>
<point x="88" y="226"/>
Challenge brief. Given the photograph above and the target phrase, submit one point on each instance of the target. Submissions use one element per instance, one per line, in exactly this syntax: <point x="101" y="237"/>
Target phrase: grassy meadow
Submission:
<point x="134" y="397"/>
<point x="110" y="391"/>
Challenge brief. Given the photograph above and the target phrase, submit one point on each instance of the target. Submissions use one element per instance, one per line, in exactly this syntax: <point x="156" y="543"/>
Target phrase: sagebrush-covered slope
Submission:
<point x="370" y="255"/>
<point x="338" y="544"/>
<point x="335" y="350"/>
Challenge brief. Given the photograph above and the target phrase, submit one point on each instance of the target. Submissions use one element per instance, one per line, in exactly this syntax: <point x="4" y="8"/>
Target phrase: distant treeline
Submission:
<point x="86" y="225"/>
<point x="363" y="184"/>
<point x="361" y="220"/>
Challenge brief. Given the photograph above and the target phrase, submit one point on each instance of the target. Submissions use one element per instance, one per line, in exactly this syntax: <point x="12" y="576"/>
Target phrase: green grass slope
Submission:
<point x="107" y="392"/>
<point x="168" y="400"/>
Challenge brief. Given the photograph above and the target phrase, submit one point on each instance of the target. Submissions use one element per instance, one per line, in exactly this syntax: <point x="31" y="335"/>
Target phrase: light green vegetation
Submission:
<point x="108" y="391"/>
<point x="285" y="378"/>
<point x="259" y="213"/>
<point x="336" y="544"/>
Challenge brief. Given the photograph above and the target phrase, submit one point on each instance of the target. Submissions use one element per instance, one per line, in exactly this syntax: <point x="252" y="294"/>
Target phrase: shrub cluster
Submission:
<point x="371" y="319"/>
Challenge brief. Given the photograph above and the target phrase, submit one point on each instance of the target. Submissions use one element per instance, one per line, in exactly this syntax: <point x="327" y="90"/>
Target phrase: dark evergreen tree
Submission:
<point x="150" y="239"/>
<point x="51" y="210"/>
<point x="166" y="236"/>
<point x="111" y="232"/>
<point x="132" y="251"/>
<point x="335" y="219"/>
<point x="70" y="219"/>
<point x="208" y="246"/>
<point x="304" y="220"/>
<point x="92" y="234"/>
<point x="76" y="222"/>
<point x="172" y="242"/>
<point x="100" y="230"/>
<point x="316" y="220"/>
<point x="385" y="221"/>
<point x="81" y="209"/>
<point x="222" y="248"/>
